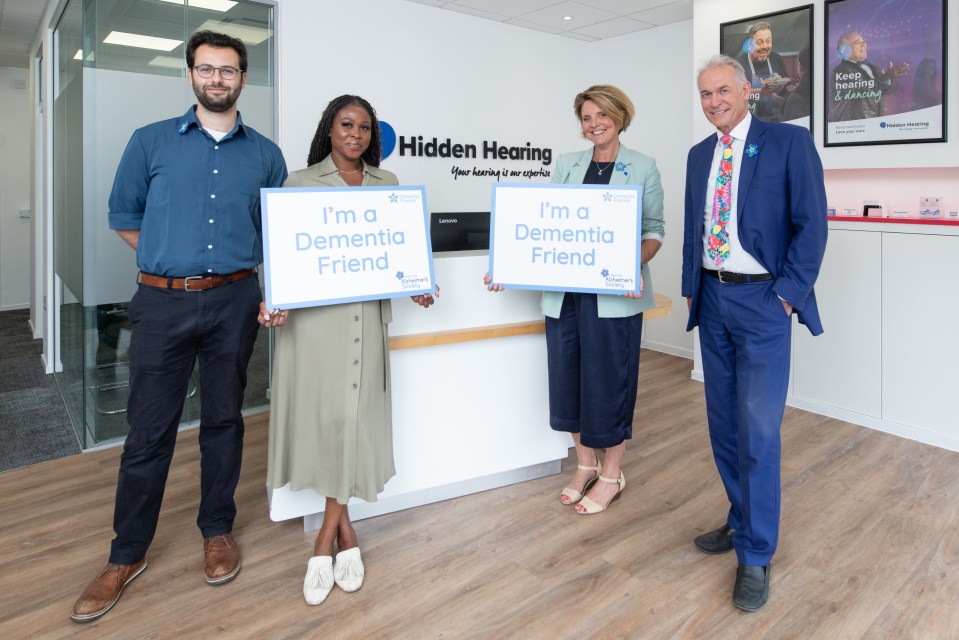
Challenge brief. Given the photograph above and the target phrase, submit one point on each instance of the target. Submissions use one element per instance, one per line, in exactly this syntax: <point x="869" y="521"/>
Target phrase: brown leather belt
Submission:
<point x="193" y="283"/>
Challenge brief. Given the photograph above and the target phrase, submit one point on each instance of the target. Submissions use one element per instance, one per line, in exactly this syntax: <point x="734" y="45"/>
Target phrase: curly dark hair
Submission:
<point x="321" y="145"/>
<point x="218" y="40"/>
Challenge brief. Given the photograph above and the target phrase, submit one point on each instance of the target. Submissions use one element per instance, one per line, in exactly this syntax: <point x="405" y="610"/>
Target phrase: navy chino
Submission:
<point x="172" y="329"/>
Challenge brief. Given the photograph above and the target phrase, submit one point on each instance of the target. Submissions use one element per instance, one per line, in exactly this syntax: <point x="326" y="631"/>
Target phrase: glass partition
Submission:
<point x="121" y="66"/>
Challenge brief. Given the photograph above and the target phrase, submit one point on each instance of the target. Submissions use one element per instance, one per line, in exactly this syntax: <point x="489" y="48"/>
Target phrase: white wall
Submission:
<point x="709" y="14"/>
<point x="658" y="85"/>
<point x="16" y="121"/>
<point x="438" y="73"/>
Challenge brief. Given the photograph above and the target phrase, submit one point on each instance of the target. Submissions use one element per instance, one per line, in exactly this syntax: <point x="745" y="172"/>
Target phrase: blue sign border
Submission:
<point x="548" y="185"/>
<point x="264" y="215"/>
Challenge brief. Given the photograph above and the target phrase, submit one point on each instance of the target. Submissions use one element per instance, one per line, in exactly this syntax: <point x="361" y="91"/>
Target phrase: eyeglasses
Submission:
<point x="206" y="71"/>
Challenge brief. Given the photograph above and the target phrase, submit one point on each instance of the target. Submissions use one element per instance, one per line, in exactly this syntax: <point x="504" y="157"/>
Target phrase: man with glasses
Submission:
<point x="186" y="198"/>
<point x="859" y="85"/>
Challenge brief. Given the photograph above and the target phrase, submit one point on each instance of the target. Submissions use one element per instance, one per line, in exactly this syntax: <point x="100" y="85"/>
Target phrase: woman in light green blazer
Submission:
<point x="593" y="339"/>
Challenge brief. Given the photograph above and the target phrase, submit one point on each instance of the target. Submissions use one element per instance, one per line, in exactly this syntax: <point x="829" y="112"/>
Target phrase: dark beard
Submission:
<point x="216" y="105"/>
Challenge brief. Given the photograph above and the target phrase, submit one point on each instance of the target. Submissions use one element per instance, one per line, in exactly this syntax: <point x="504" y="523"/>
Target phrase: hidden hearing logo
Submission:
<point x="420" y="146"/>
<point x="387" y="139"/>
<point x="904" y="126"/>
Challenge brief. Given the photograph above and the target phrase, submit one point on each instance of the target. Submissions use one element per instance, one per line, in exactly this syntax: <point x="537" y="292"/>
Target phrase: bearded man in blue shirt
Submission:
<point x="186" y="198"/>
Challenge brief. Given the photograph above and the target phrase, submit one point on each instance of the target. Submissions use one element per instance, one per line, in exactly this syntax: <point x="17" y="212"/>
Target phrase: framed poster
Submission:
<point x="885" y="72"/>
<point x="567" y="237"/>
<point x="774" y="50"/>
<point x="329" y="245"/>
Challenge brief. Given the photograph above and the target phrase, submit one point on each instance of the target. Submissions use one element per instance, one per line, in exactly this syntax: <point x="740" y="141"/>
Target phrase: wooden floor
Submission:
<point x="869" y="547"/>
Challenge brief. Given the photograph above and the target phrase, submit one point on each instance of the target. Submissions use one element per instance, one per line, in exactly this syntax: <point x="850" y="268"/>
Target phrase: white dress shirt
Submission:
<point x="738" y="260"/>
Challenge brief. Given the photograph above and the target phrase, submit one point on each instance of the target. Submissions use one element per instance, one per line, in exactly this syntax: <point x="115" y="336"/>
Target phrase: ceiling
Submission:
<point x="19" y="22"/>
<point x="583" y="19"/>
<point x="587" y="20"/>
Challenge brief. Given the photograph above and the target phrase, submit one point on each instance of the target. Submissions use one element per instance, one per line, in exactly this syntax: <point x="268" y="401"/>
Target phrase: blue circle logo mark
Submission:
<point x="882" y="125"/>
<point x="387" y="139"/>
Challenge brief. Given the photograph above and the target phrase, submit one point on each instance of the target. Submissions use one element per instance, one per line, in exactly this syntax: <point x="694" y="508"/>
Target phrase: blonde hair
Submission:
<point x="610" y="99"/>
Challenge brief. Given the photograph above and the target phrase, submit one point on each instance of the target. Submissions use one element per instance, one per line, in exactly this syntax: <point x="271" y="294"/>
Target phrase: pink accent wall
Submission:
<point x="894" y="188"/>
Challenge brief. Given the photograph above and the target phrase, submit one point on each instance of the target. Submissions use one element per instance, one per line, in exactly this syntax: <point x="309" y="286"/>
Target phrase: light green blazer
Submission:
<point x="637" y="168"/>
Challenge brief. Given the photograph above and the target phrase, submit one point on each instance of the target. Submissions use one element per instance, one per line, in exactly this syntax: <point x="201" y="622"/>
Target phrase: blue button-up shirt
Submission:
<point x="196" y="201"/>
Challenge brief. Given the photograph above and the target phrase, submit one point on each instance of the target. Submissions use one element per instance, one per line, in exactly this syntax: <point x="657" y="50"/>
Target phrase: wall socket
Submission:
<point x="24" y="213"/>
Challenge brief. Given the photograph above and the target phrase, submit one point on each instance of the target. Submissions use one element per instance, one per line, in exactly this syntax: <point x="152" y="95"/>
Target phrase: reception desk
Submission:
<point x="470" y="406"/>
<point x="470" y="397"/>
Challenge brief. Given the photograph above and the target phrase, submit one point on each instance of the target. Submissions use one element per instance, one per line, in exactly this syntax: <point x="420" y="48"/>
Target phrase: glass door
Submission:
<point x="121" y="66"/>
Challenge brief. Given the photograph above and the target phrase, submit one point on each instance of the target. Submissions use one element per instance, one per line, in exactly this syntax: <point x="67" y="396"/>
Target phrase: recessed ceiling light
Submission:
<point x="249" y="35"/>
<point x="168" y="62"/>
<point x="567" y="17"/>
<point x="213" y="5"/>
<point x="141" y="42"/>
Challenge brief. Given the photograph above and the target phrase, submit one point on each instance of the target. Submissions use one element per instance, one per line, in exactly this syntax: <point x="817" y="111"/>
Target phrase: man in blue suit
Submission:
<point x="755" y="235"/>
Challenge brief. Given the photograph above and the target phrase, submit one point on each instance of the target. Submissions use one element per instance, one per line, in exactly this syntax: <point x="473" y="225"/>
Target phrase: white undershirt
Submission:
<point x="738" y="260"/>
<point x="216" y="135"/>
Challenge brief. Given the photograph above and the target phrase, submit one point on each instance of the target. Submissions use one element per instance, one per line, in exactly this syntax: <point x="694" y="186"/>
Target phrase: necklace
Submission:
<point x="600" y="169"/>
<point x="345" y="173"/>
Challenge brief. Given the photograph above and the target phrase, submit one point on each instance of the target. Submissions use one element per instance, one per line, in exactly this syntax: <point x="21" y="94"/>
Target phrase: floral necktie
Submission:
<point x="717" y="242"/>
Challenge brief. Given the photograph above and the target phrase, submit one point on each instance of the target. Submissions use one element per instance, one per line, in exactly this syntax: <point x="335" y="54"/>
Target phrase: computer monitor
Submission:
<point x="459" y="230"/>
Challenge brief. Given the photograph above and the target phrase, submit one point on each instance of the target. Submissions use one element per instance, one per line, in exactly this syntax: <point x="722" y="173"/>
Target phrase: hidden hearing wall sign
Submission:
<point x="885" y="72"/>
<point x="775" y="52"/>
<point x="493" y="158"/>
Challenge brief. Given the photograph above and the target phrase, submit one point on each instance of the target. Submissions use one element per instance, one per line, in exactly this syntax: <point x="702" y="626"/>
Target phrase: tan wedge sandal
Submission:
<point x="592" y="507"/>
<point x="575" y="496"/>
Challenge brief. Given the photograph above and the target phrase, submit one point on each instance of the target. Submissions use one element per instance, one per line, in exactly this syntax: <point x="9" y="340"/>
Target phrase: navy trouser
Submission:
<point x="593" y="371"/>
<point x="744" y="334"/>
<point x="171" y="330"/>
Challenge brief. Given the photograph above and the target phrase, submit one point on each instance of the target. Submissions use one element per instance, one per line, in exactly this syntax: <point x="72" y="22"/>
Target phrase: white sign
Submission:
<point x="583" y="238"/>
<point x="329" y="245"/>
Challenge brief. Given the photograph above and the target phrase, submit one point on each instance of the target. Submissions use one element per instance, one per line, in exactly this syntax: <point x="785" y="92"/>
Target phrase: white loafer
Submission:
<point x="319" y="579"/>
<point x="348" y="571"/>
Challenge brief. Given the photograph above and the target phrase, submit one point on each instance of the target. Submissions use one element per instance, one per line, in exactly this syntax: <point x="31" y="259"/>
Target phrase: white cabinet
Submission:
<point x="889" y="358"/>
<point x="843" y="367"/>
<point x="920" y="337"/>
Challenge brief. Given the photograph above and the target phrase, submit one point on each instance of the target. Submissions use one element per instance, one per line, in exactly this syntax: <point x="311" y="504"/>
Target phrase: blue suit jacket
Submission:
<point x="781" y="214"/>
<point x="638" y="168"/>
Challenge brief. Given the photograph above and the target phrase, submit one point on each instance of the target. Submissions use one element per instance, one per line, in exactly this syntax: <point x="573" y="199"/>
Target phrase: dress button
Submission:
<point x="357" y="318"/>
<point x="213" y="195"/>
<point x="356" y="363"/>
<point x="356" y="340"/>
<point x="209" y="246"/>
<point x="216" y="171"/>
<point x="355" y="385"/>
<point x="211" y="220"/>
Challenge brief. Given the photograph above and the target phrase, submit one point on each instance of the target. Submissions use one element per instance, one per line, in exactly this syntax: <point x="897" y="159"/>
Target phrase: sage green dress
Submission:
<point x="330" y="418"/>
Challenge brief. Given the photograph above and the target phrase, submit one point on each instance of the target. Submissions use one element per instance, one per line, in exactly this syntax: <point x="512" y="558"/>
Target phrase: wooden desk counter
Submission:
<point x="664" y="306"/>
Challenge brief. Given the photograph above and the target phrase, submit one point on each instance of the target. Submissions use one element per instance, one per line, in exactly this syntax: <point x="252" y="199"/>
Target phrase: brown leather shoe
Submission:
<point x="104" y="591"/>
<point x="222" y="558"/>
